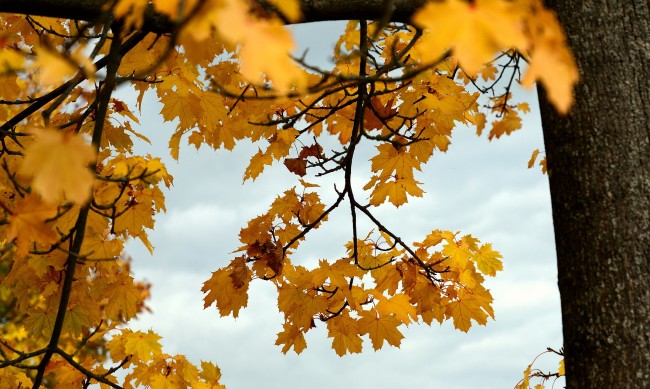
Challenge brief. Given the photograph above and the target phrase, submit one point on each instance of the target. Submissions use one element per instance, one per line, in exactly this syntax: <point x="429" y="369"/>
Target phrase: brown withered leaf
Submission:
<point x="239" y="275"/>
<point x="310" y="151"/>
<point x="296" y="166"/>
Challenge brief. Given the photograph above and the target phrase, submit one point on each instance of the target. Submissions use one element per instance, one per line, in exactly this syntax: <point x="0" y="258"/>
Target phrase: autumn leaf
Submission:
<point x="470" y="305"/>
<point x="381" y="328"/>
<point x="506" y="125"/>
<point x="58" y="163"/>
<point x="474" y="31"/>
<point x="533" y="157"/>
<point x="28" y="224"/>
<point x="398" y="305"/>
<point x="378" y="113"/>
<point x="395" y="191"/>
<point x="210" y="372"/>
<point x="265" y="45"/>
<point x="142" y="346"/>
<point x="221" y="289"/>
<point x="551" y="62"/>
<point x="239" y="274"/>
<point x="296" y="166"/>
<point x="344" y="332"/>
<point x="487" y="260"/>
<point x="291" y="337"/>
<point x="123" y="297"/>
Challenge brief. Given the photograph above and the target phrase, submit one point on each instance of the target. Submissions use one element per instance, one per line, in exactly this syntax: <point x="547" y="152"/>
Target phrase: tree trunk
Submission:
<point x="599" y="170"/>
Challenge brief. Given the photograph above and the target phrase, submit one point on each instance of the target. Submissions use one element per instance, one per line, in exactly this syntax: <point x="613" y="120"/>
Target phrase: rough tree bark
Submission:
<point x="599" y="171"/>
<point x="599" y="161"/>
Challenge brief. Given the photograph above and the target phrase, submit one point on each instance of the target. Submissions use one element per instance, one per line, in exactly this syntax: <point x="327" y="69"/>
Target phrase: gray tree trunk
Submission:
<point x="599" y="171"/>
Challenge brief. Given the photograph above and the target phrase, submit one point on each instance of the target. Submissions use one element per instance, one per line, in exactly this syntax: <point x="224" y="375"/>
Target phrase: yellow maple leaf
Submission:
<point x="28" y="224"/>
<point x="560" y="369"/>
<point x="265" y="46"/>
<point x="299" y="305"/>
<point x="142" y="346"/>
<point x="58" y="164"/>
<point x="398" y="305"/>
<point x="123" y="297"/>
<point x="394" y="159"/>
<point x="210" y="372"/>
<point x="257" y="164"/>
<point x="470" y="305"/>
<point x="220" y="289"/>
<point x="52" y="67"/>
<point x="291" y="336"/>
<point x="10" y="61"/>
<point x="64" y="374"/>
<point x="475" y="30"/>
<point x="101" y="245"/>
<point x="487" y="260"/>
<point x="135" y="218"/>
<point x="509" y="123"/>
<point x="551" y="61"/>
<point x="381" y="328"/>
<point x="395" y="191"/>
<point x="344" y="332"/>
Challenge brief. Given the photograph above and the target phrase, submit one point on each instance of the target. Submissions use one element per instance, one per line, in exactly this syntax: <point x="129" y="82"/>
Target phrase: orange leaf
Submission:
<point x="398" y="305"/>
<point x="475" y="30"/>
<point x="380" y="328"/>
<point x="344" y="332"/>
<point x="290" y="337"/>
<point x="385" y="112"/>
<point x="58" y="164"/>
<point x="27" y="224"/>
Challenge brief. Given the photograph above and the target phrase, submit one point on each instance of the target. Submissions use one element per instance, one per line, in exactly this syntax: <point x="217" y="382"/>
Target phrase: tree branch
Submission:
<point x="312" y="10"/>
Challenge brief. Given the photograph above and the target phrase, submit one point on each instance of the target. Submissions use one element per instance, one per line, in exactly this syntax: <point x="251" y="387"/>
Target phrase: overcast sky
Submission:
<point x="478" y="187"/>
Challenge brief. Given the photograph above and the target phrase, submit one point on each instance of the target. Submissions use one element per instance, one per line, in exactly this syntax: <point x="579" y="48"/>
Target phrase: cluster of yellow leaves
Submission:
<point x="392" y="288"/>
<point x="150" y="367"/>
<point x="266" y="242"/>
<point x="475" y="31"/>
<point x="51" y="174"/>
<point x="227" y="76"/>
<point x="264" y="43"/>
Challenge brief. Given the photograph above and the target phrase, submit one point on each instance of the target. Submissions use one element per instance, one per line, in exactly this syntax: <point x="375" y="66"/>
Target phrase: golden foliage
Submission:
<point x="73" y="191"/>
